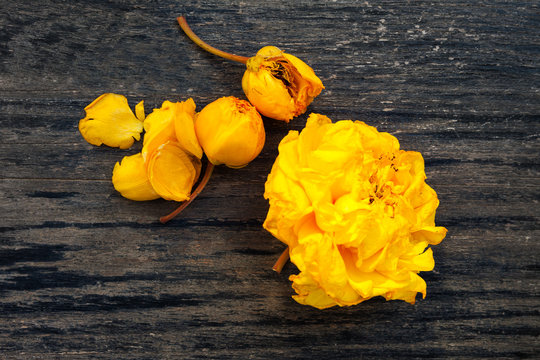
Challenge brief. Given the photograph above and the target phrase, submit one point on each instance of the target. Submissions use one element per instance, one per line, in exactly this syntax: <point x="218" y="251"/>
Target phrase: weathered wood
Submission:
<point x="85" y="273"/>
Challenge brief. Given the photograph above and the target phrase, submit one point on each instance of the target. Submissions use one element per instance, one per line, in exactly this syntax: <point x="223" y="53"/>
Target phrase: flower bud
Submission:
<point x="279" y="85"/>
<point x="230" y="131"/>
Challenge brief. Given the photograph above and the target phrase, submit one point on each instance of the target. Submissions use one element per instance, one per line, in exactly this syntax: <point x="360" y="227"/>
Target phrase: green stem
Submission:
<point x="197" y="40"/>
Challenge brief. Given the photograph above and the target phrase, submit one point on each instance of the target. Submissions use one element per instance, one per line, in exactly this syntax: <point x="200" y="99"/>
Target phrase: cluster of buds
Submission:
<point x="229" y="131"/>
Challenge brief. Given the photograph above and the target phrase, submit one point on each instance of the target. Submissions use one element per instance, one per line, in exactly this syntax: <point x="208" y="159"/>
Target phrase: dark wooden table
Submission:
<point x="87" y="274"/>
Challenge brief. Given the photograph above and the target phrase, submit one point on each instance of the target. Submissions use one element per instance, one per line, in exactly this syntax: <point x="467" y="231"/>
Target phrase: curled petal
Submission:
<point x="139" y="111"/>
<point x="129" y="179"/>
<point x="171" y="122"/>
<point x="184" y="126"/>
<point x="110" y="121"/>
<point x="172" y="172"/>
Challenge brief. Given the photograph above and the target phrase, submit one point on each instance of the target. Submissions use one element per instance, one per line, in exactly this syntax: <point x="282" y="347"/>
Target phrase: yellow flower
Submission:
<point x="355" y="211"/>
<point x="110" y="121"/>
<point x="172" y="172"/>
<point x="169" y="163"/>
<point x="130" y="179"/>
<point x="230" y="131"/>
<point x="171" y="122"/>
<point x="279" y="85"/>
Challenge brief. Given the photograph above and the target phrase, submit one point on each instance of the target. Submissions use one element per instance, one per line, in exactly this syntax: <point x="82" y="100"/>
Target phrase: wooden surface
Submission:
<point x="86" y="274"/>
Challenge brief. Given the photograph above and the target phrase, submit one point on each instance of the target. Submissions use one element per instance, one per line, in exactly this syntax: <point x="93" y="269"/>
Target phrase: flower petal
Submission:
<point x="130" y="180"/>
<point x="110" y="121"/>
<point x="159" y="128"/>
<point x="184" y="126"/>
<point x="172" y="172"/>
<point x="139" y="111"/>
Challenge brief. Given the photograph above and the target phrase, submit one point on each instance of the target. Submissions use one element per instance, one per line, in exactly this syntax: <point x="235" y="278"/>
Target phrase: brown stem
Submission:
<point x="280" y="263"/>
<point x="194" y="194"/>
<point x="197" y="40"/>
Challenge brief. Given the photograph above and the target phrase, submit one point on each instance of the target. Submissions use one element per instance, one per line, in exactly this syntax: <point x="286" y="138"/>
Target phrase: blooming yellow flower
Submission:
<point x="355" y="211"/>
<point x="230" y="131"/>
<point x="172" y="172"/>
<point x="279" y="85"/>
<point x="131" y="181"/>
<point x="110" y="121"/>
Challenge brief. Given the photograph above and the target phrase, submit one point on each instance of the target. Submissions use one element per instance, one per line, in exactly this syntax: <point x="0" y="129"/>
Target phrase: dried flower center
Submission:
<point x="242" y="106"/>
<point x="282" y="70"/>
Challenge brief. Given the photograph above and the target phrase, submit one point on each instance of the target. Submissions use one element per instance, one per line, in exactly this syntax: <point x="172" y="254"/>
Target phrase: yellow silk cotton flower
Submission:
<point x="355" y="211"/>
<point x="279" y="85"/>
<point x="110" y="121"/>
<point x="230" y="131"/>
<point x="169" y="163"/>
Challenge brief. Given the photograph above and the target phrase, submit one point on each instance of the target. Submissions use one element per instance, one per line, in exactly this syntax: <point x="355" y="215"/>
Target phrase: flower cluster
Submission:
<point x="355" y="212"/>
<point x="229" y="131"/>
<point x="352" y="207"/>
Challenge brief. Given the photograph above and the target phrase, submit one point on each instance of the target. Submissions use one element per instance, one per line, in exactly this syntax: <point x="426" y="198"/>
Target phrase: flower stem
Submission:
<point x="197" y="40"/>
<point x="194" y="194"/>
<point x="280" y="263"/>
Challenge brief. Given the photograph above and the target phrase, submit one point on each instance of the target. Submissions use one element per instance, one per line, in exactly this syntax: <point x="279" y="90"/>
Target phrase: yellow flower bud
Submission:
<point x="172" y="172"/>
<point x="279" y="85"/>
<point x="230" y="131"/>
<point x="110" y="121"/>
<point x="130" y="180"/>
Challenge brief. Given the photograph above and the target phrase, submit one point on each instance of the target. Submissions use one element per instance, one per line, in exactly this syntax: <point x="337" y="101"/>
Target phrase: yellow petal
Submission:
<point x="269" y="95"/>
<point x="110" y="121"/>
<point x="171" y="122"/>
<point x="315" y="84"/>
<point x="139" y="110"/>
<point x="184" y="126"/>
<point x="172" y="172"/>
<point x="431" y="234"/>
<point x="130" y="180"/>
<point x="310" y="293"/>
<point x="159" y="128"/>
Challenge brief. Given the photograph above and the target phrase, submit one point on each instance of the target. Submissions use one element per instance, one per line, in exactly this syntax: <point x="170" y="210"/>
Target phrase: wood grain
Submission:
<point x="86" y="274"/>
